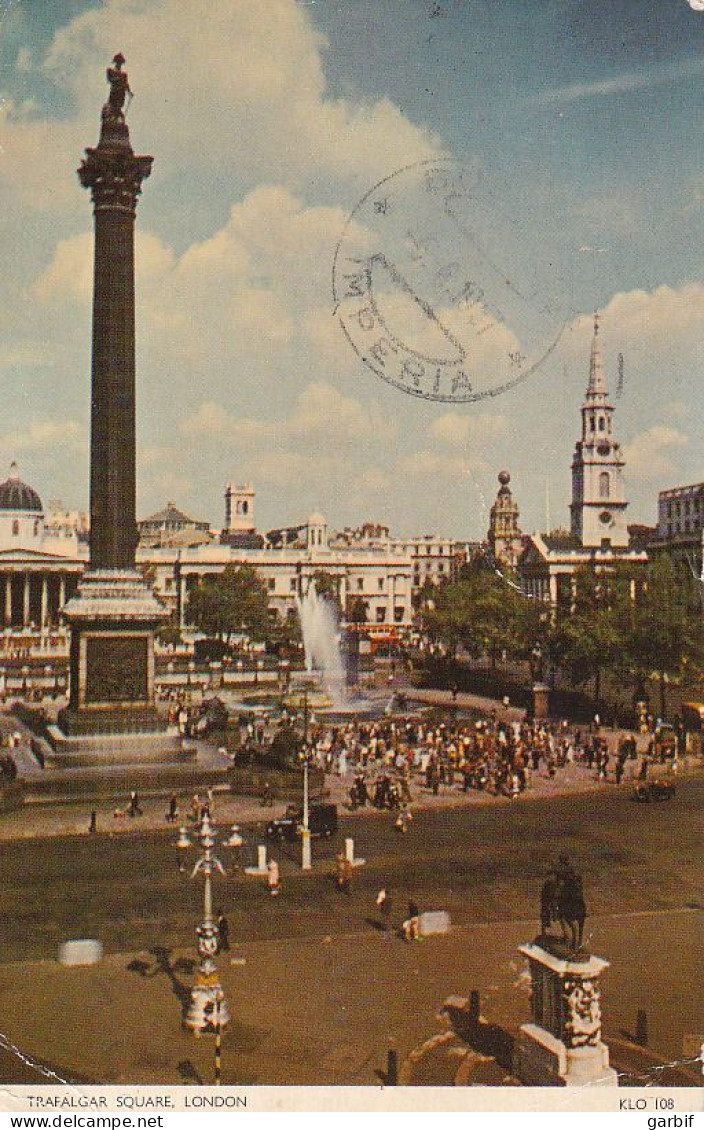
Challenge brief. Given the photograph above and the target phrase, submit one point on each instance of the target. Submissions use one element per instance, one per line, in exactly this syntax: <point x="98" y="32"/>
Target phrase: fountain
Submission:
<point x="321" y="641"/>
<point x="325" y="665"/>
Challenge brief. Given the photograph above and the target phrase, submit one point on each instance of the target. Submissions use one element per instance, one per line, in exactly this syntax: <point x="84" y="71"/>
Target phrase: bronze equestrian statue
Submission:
<point x="562" y="900"/>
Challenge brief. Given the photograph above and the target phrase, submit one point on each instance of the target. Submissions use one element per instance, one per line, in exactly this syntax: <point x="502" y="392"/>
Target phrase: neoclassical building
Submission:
<point x="598" y="534"/>
<point x="39" y="566"/>
<point x="377" y="578"/>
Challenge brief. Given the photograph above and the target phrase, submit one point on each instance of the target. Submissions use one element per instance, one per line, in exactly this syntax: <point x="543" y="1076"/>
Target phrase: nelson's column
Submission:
<point x="113" y="615"/>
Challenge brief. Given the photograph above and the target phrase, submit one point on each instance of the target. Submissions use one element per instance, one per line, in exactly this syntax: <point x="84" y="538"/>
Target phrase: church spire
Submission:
<point x="597" y="381"/>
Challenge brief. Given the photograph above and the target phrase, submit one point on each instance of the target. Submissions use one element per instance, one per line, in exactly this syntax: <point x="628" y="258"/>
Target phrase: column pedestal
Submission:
<point x="541" y="701"/>
<point x="562" y="1047"/>
<point x="113" y="617"/>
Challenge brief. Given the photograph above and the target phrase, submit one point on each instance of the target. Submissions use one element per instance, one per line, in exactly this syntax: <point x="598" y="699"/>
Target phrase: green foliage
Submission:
<point x="480" y="611"/>
<point x="231" y="602"/>
<point x="668" y="632"/>
<point x="327" y="587"/>
<point x="169" y="633"/>
<point x="357" y="611"/>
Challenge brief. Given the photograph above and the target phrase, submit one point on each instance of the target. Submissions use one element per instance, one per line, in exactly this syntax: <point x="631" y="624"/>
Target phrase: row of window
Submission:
<point x="685" y="527"/>
<point x="692" y="506"/>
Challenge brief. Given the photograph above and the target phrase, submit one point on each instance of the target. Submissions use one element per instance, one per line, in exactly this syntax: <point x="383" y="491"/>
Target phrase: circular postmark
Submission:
<point x="424" y="294"/>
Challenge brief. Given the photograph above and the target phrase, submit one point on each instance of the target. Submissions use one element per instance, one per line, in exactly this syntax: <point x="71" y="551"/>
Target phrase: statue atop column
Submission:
<point x="113" y="110"/>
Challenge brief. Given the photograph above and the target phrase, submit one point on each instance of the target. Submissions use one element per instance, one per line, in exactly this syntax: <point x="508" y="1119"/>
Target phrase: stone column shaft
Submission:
<point x="113" y="527"/>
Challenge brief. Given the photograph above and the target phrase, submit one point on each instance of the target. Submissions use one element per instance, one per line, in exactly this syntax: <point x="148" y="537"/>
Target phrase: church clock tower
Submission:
<point x="599" y="504"/>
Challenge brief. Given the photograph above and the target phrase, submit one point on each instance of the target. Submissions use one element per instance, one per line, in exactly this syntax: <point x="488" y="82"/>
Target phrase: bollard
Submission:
<point x="350" y="856"/>
<point x="261" y="868"/>
<point x="392" y="1068"/>
<point x="642" y="1028"/>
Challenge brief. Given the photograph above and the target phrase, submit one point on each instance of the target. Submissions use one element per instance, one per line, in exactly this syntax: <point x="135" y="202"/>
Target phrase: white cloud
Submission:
<point x="233" y="91"/>
<point x="454" y="430"/>
<point x="652" y="455"/>
<point x="65" y="435"/>
<point x="621" y="84"/>
<point x="321" y="417"/>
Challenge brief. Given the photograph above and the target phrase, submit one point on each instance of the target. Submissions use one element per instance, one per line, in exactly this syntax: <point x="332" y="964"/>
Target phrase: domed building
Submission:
<point x="21" y="514"/>
<point x="38" y="571"/>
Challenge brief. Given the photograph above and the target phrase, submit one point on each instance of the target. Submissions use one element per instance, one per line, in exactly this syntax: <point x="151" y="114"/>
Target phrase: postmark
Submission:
<point x="437" y="291"/>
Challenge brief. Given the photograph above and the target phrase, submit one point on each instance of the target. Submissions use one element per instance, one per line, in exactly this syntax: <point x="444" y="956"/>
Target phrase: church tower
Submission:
<point x="505" y="538"/>
<point x="239" y="508"/>
<point x="599" y="503"/>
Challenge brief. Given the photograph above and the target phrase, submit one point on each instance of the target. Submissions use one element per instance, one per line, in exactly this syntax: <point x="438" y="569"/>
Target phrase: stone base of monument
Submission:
<point x="562" y="1047"/>
<point x="105" y="749"/>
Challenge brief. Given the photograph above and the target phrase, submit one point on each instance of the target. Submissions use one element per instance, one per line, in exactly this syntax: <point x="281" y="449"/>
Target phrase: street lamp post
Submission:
<point x="207" y="1011"/>
<point x="306" y="861"/>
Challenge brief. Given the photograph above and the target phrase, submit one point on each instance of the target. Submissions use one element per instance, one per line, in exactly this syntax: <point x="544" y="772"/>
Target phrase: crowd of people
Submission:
<point x="384" y="758"/>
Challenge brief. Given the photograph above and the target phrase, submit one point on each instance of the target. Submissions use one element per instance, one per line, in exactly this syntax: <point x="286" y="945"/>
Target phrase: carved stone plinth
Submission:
<point x="113" y="617"/>
<point x="562" y="1047"/>
<point x="541" y="701"/>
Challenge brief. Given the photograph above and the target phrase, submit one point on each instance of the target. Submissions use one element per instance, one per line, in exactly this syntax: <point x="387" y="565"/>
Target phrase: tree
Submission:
<point x="357" y="611"/>
<point x="480" y="611"/>
<point x="169" y="633"/>
<point x="594" y="634"/>
<point x="327" y="586"/>
<point x="231" y="602"/>
<point x="667" y="636"/>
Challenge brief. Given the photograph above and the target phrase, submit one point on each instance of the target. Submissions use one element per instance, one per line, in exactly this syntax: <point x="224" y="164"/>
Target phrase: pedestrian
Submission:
<point x="402" y="821"/>
<point x="383" y="901"/>
<point x="410" y="926"/>
<point x="134" y="806"/>
<point x="273" y="878"/>
<point x="93" y="828"/>
<point x="173" y="809"/>
<point x="343" y="879"/>
<point x="223" y="933"/>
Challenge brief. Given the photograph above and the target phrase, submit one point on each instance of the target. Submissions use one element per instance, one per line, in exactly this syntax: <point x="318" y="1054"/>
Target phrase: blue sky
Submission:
<point x="268" y="123"/>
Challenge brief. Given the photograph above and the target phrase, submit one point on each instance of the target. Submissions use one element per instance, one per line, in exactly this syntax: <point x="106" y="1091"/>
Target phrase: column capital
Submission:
<point x="114" y="177"/>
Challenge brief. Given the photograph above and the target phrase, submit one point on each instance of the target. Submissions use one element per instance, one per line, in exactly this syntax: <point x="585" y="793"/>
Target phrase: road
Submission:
<point x="483" y="863"/>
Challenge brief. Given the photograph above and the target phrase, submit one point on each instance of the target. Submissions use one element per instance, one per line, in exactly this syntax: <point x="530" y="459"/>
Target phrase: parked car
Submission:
<point x="647" y="791"/>
<point x="322" y="821"/>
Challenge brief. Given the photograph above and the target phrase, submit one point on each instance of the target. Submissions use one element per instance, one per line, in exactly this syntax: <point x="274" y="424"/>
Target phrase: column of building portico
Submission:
<point x="343" y="594"/>
<point x="8" y="600"/>
<point x="44" y="602"/>
<point x="553" y="589"/>
<point x="62" y="590"/>
<point x="25" y="600"/>
<point x="182" y="601"/>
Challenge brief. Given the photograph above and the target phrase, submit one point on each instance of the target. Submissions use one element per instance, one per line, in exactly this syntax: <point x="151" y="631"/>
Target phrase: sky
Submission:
<point x="577" y="125"/>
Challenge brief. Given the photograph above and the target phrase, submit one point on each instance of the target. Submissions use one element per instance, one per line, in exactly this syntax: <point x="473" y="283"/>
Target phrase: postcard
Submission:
<point x="351" y="580"/>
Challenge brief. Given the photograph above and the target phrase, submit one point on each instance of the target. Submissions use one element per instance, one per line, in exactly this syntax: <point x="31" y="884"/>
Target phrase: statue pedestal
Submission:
<point x="562" y="1047"/>
<point x="541" y="701"/>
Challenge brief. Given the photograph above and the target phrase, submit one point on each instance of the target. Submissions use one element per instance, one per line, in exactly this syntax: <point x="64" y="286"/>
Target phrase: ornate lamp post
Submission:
<point x="306" y="862"/>
<point x="207" y="1011"/>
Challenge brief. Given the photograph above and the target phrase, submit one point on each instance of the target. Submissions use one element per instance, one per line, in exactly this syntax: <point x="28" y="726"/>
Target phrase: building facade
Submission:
<point x="680" y="529"/>
<point x="599" y="535"/>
